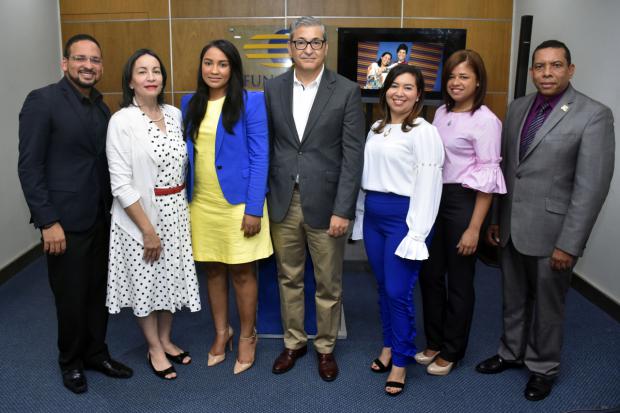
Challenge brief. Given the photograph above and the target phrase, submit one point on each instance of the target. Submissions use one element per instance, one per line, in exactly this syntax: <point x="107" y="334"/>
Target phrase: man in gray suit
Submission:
<point x="558" y="159"/>
<point x="317" y="140"/>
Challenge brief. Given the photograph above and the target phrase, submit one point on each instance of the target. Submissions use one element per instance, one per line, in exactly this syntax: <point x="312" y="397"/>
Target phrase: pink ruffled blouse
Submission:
<point x="472" y="149"/>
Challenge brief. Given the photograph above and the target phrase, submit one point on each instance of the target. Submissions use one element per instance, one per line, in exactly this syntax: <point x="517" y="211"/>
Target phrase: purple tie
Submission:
<point x="533" y="128"/>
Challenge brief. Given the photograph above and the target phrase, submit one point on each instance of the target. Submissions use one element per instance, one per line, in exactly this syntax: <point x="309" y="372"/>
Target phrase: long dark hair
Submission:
<point x="128" y="92"/>
<point x="474" y="61"/>
<point x="409" y="122"/>
<point x="233" y="104"/>
<point x="381" y="58"/>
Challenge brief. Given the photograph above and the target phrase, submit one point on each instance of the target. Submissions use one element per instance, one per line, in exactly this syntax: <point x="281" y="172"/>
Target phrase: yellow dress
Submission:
<point x="216" y="224"/>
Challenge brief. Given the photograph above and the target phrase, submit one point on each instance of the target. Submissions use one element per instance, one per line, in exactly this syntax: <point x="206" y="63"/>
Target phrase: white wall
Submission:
<point x="30" y="50"/>
<point x="591" y="30"/>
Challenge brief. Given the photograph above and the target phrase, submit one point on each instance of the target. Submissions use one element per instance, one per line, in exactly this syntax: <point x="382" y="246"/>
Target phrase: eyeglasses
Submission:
<point x="82" y="59"/>
<point x="301" y="44"/>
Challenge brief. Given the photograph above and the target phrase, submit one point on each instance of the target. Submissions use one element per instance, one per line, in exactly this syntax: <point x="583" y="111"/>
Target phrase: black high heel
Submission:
<point x="395" y="385"/>
<point x="162" y="373"/>
<point x="382" y="368"/>
<point x="179" y="358"/>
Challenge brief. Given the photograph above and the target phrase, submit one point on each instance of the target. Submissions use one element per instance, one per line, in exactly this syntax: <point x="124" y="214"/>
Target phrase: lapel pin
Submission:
<point x="564" y="108"/>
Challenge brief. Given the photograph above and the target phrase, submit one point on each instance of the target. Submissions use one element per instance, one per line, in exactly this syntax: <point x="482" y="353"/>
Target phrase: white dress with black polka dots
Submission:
<point x="170" y="283"/>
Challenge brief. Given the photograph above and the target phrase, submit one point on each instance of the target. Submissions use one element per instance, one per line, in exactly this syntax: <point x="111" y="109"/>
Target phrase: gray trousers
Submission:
<point x="533" y="314"/>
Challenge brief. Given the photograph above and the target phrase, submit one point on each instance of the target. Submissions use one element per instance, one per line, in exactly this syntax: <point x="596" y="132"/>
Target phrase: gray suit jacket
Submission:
<point x="556" y="192"/>
<point x="329" y="159"/>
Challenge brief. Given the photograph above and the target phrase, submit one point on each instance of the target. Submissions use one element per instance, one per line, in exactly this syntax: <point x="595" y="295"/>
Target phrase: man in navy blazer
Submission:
<point x="64" y="175"/>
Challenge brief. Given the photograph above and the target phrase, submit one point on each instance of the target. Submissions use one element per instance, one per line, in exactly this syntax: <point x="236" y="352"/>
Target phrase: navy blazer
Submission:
<point x="62" y="163"/>
<point x="241" y="158"/>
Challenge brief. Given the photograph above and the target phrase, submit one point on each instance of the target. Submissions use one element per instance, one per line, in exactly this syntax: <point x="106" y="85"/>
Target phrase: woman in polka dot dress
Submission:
<point x="151" y="266"/>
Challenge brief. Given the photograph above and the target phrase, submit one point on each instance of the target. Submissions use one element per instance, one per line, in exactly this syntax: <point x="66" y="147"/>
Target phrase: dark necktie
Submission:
<point x="534" y="126"/>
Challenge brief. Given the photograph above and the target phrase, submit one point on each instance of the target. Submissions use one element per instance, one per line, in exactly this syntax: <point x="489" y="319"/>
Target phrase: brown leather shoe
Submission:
<point x="286" y="359"/>
<point x="328" y="369"/>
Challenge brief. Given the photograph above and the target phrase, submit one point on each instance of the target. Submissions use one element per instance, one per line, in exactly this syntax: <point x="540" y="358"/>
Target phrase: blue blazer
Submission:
<point x="241" y="158"/>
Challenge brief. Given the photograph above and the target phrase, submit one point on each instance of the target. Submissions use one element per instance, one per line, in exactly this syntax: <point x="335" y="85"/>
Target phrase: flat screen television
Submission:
<point x="361" y="51"/>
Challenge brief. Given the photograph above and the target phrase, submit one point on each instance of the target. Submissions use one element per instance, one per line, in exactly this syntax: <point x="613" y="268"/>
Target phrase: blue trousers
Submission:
<point x="385" y="227"/>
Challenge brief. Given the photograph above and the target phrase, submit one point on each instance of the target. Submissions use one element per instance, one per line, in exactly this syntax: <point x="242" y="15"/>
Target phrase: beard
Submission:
<point x="84" y="84"/>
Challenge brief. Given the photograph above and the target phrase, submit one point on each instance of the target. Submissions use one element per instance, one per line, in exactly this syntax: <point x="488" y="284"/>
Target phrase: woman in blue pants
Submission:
<point x="402" y="183"/>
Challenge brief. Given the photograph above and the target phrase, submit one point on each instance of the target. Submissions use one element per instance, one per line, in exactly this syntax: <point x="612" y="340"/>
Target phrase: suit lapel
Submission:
<point x="286" y="95"/>
<point x="326" y="88"/>
<point x="220" y="135"/>
<point x="556" y="115"/>
<point x="104" y="108"/>
<point x="70" y="97"/>
<point x="522" y="114"/>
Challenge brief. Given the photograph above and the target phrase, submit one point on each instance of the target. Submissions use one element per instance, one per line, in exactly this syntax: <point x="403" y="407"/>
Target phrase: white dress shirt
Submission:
<point x="407" y="164"/>
<point x="303" y="98"/>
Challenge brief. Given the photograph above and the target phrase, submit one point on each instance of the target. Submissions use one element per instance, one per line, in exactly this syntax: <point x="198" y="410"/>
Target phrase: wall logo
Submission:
<point x="269" y="50"/>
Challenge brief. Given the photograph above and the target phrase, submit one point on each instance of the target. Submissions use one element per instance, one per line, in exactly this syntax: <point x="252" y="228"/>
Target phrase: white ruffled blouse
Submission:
<point x="407" y="164"/>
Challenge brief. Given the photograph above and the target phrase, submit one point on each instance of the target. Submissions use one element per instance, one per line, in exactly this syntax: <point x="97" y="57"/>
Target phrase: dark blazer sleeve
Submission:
<point x="592" y="178"/>
<point x="267" y="97"/>
<point x="353" y="140"/>
<point x="34" y="138"/>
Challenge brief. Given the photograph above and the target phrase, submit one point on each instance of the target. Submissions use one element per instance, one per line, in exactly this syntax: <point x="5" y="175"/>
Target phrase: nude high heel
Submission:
<point x="241" y="367"/>
<point x="214" y="359"/>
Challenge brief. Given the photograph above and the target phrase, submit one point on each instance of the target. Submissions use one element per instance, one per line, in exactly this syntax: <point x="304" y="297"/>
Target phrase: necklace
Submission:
<point x="450" y="119"/>
<point x="161" y="117"/>
<point x="154" y="120"/>
<point x="386" y="132"/>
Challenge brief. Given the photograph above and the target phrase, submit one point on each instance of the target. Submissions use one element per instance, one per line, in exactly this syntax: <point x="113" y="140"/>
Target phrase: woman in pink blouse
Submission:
<point x="471" y="135"/>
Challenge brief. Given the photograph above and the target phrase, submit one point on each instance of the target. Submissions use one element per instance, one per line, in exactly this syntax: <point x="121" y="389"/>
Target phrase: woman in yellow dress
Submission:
<point x="228" y="148"/>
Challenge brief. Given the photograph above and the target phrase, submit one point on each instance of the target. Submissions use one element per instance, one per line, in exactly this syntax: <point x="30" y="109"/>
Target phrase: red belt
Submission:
<point x="169" y="191"/>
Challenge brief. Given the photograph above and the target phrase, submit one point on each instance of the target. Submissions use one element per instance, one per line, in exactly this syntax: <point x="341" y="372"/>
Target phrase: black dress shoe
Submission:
<point x="496" y="364"/>
<point x="111" y="368"/>
<point x="75" y="380"/>
<point x="538" y="387"/>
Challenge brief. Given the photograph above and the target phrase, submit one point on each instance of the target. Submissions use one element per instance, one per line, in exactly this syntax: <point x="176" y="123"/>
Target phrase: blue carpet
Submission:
<point x="590" y="377"/>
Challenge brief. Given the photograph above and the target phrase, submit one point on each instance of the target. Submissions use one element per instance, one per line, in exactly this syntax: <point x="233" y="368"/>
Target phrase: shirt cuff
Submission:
<point x="358" y="228"/>
<point x="486" y="177"/>
<point x="412" y="247"/>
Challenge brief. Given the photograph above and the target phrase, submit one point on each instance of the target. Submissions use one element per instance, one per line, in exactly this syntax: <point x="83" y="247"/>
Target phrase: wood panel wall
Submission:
<point x="178" y="29"/>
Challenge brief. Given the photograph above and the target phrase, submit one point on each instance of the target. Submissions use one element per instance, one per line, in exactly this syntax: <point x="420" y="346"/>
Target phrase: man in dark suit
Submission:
<point x="317" y="140"/>
<point x="558" y="159"/>
<point x="64" y="175"/>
